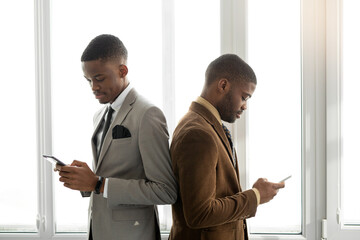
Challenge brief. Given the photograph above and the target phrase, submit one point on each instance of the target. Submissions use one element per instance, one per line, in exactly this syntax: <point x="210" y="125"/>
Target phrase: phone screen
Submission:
<point x="54" y="160"/>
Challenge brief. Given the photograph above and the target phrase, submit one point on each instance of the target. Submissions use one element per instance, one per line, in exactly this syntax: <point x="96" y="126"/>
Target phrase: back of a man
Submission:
<point x="211" y="204"/>
<point x="193" y="129"/>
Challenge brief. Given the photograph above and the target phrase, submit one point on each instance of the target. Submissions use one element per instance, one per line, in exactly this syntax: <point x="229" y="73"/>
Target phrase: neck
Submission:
<point x="209" y="98"/>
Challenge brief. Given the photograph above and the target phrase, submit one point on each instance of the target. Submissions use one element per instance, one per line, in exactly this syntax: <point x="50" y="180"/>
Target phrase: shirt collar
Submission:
<point x="209" y="107"/>
<point x="116" y="105"/>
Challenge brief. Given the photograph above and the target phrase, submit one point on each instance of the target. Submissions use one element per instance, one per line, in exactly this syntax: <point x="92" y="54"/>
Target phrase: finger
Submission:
<point x="73" y="185"/>
<point x="66" y="174"/>
<point x="278" y="185"/>
<point x="66" y="179"/>
<point x="68" y="185"/>
<point x="70" y="169"/>
<point x="78" y="163"/>
<point x="62" y="179"/>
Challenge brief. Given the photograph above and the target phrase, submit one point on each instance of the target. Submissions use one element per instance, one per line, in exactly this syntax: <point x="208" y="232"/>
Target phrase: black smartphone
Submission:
<point x="54" y="160"/>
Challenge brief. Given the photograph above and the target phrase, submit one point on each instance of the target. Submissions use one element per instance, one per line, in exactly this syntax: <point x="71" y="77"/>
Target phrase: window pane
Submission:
<point x="18" y="200"/>
<point x="350" y="115"/>
<point x="275" y="111"/>
<point x="192" y="55"/>
<point x="140" y="29"/>
<point x="197" y="42"/>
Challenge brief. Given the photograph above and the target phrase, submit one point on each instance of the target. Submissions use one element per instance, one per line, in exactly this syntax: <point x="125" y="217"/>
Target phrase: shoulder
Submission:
<point x="194" y="141"/>
<point x="194" y="129"/>
<point x="146" y="109"/>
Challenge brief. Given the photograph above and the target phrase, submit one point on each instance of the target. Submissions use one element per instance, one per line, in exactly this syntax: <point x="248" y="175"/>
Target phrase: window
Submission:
<point x="342" y="131"/>
<point x="350" y="117"/>
<point x="194" y="51"/>
<point x="274" y="49"/>
<point x="18" y="121"/>
<point x="308" y="130"/>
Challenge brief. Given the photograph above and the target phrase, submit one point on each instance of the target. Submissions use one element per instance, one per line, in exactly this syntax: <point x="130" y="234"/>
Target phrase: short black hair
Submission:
<point x="105" y="47"/>
<point x="231" y="67"/>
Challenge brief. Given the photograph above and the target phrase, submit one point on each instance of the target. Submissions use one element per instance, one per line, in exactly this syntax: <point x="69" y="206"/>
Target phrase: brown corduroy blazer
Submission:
<point x="211" y="204"/>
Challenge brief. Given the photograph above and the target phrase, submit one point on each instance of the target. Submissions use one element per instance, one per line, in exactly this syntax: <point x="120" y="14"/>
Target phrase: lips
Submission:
<point x="238" y="114"/>
<point x="98" y="95"/>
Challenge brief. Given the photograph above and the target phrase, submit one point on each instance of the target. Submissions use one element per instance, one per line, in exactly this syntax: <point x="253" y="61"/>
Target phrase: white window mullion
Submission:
<point x="168" y="88"/>
<point x="233" y="25"/>
<point x="168" y="61"/>
<point x="313" y="113"/>
<point x="43" y="79"/>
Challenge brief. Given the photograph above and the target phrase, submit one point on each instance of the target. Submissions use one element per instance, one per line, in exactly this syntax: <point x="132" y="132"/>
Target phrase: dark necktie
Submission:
<point x="107" y="125"/>
<point x="228" y="135"/>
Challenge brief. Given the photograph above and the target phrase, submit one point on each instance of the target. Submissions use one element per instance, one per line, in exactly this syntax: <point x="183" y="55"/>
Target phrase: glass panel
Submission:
<point x="350" y="116"/>
<point x="275" y="111"/>
<point x="194" y="50"/>
<point x="75" y="23"/>
<point x="192" y="55"/>
<point x="18" y="200"/>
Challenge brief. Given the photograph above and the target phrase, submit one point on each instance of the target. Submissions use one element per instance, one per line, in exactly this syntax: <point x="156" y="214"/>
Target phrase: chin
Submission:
<point x="230" y="120"/>
<point x="103" y="102"/>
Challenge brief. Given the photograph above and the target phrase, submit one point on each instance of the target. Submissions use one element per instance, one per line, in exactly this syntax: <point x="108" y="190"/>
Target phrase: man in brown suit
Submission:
<point x="211" y="204"/>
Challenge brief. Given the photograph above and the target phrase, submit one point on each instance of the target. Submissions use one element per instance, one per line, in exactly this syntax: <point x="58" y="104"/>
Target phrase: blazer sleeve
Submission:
<point x="159" y="185"/>
<point x="195" y="158"/>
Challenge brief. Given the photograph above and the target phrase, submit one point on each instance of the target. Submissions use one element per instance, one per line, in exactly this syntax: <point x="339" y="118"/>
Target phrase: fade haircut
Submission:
<point x="105" y="47"/>
<point x="231" y="67"/>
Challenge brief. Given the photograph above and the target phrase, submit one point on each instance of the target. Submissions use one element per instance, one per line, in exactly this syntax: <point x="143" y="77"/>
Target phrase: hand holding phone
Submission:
<point x="54" y="160"/>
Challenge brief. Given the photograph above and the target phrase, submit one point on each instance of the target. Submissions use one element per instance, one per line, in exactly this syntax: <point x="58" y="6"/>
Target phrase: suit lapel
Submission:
<point x="119" y="118"/>
<point x="99" y="121"/>
<point x="211" y="119"/>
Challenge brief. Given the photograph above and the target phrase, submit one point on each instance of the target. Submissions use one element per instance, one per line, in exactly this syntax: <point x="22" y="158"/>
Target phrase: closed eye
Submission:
<point x="245" y="98"/>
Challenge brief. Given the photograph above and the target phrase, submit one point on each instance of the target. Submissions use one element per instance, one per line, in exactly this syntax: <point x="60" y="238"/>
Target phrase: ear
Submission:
<point x="123" y="70"/>
<point x="223" y="86"/>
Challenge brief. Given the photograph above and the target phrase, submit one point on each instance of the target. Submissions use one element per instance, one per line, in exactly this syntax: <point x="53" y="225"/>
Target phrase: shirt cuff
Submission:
<point x="257" y="193"/>
<point x="105" y="193"/>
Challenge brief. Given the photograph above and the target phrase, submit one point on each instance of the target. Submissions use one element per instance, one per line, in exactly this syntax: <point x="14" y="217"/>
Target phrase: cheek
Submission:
<point x="237" y="104"/>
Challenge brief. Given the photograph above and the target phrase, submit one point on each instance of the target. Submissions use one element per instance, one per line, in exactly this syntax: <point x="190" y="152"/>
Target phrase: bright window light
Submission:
<point x="275" y="111"/>
<point x="350" y="116"/>
<point x="197" y="43"/>
<point x="19" y="191"/>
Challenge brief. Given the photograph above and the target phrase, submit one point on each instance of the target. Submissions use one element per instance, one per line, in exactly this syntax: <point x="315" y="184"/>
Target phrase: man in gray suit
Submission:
<point x="131" y="161"/>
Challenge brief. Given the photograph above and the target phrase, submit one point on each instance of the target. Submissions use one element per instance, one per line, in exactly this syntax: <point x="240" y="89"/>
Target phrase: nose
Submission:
<point x="244" y="106"/>
<point x="94" y="86"/>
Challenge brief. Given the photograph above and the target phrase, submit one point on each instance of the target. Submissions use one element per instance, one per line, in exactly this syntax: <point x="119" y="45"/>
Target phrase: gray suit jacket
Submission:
<point x="139" y="173"/>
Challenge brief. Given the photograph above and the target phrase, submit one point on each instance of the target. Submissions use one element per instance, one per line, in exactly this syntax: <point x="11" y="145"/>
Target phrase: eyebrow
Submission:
<point x="248" y="95"/>
<point x="97" y="75"/>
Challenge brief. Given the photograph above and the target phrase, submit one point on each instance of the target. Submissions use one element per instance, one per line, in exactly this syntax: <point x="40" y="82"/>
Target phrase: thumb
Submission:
<point x="278" y="185"/>
<point x="78" y="163"/>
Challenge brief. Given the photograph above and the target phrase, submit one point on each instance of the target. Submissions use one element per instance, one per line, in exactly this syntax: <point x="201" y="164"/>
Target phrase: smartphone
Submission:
<point x="285" y="179"/>
<point x="54" y="160"/>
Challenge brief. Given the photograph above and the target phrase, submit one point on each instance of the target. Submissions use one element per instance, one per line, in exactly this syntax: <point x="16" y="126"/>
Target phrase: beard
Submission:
<point x="226" y="107"/>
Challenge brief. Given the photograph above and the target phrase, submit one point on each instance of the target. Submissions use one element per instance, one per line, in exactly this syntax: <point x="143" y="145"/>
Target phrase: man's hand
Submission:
<point x="78" y="176"/>
<point x="267" y="190"/>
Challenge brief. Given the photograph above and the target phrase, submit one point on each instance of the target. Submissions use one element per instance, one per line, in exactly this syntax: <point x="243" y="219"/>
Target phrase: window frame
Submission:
<point x="313" y="109"/>
<point x="336" y="228"/>
<point x="320" y="121"/>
